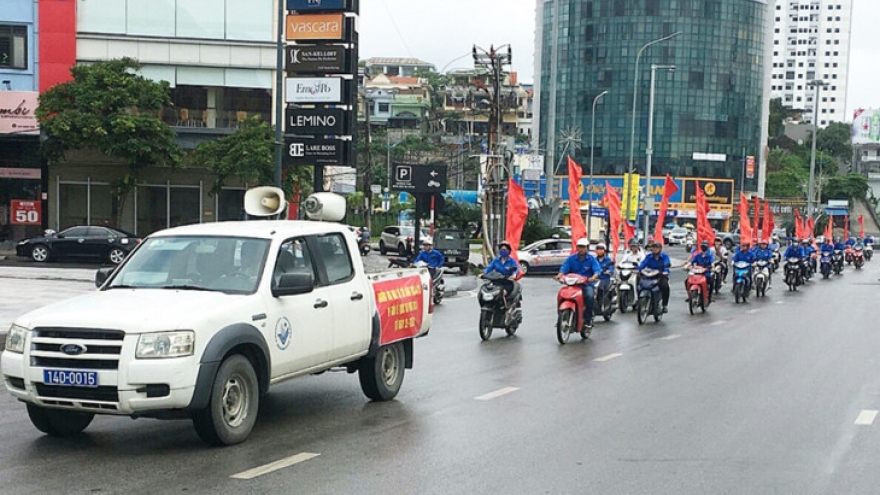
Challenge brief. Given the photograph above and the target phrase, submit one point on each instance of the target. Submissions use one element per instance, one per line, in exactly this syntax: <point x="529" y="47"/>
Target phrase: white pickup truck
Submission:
<point x="199" y="321"/>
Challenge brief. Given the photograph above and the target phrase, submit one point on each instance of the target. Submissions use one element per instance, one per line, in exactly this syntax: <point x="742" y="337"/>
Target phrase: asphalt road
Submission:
<point x="774" y="396"/>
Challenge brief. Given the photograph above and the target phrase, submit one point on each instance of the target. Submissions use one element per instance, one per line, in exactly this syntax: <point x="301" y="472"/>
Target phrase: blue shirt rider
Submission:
<point x="505" y="265"/>
<point x="606" y="267"/>
<point x="585" y="265"/>
<point x="827" y="248"/>
<point x="839" y="245"/>
<point x="745" y="253"/>
<point x="850" y="242"/>
<point x="794" y="251"/>
<point x="657" y="260"/>
<point x="809" y="251"/>
<point x="703" y="257"/>
<point x="431" y="256"/>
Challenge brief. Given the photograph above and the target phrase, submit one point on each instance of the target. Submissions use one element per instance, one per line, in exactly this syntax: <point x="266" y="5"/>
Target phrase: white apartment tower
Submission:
<point x="811" y="42"/>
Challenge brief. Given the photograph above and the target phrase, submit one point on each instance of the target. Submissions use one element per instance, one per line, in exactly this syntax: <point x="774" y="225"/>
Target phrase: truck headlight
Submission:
<point x="16" y="338"/>
<point x="165" y="345"/>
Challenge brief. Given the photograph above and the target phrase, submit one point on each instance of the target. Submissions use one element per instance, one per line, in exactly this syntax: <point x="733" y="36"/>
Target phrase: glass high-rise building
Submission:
<point x="709" y="114"/>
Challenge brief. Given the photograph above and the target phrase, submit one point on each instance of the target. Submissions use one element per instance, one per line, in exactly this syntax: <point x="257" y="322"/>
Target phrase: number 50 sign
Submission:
<point x="25" y="212"/>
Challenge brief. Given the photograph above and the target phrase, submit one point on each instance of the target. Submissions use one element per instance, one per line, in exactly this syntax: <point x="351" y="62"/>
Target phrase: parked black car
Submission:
<point x="455" y="248"/>
<point x="100" y="243"/>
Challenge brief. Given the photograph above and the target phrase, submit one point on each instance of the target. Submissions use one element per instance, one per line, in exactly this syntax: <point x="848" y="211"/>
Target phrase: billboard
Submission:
<point x="866" y="126"/>
<point x="318" y="59"/>
<point x="314" y="90"/>
<point x="719" y="192"/>
<point x="302" y="27"/>
<point x="17" y="112"/>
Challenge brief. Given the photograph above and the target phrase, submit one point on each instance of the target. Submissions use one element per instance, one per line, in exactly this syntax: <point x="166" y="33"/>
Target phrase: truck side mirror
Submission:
<point x="102" y="275"/>
<point x="291" y="284"/>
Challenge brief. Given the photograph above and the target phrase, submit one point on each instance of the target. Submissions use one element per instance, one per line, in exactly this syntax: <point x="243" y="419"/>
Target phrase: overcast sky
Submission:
<point x="440" y="32"/>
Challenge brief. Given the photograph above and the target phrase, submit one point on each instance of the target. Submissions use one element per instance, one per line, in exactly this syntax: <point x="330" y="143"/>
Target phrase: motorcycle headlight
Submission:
<point x="488" y="296"/>
<point x="161" y="345"/>
<point x="16" y="338"/>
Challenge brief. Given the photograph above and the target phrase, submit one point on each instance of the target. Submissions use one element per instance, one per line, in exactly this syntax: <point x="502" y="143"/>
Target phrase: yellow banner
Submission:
<point x="630" y="205"/>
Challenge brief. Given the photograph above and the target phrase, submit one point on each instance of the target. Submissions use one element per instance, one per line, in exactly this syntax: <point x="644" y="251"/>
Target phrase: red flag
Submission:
<point x="704" y="229"/>
<point x="745" y="224"/>
<point x="772" y="220"/>
<point x="578" y="229"/>
<point x="628" y="232"/>
<point x="517" y="213"/>
<point x="861" y="226"/>
<point x="757" y="222"/>
<point x="669" y="188"/>
<point x="829" y="226"/>
<point x="811" y="226"/>
<point x="846" y="228"/>
<point x="612" y="200"/>
<point x="767" y="227"/>
<point x="798" y="225"/>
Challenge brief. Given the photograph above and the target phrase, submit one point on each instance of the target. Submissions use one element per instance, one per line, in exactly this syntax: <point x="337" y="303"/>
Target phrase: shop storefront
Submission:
<point x="22" y="211"/>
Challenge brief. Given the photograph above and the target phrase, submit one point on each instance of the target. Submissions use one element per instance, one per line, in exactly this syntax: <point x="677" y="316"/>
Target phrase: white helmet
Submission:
<point x="583" y="242"/>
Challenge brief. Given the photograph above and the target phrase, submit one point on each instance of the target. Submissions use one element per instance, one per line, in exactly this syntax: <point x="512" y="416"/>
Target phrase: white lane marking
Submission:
<point x="719" y="322"/>
<point x="671" y="337"/>
<point x="780" y="302"/>
<point x="608" y="357"/>
<point x="497" y="393"/>
<point x="866" y="417"/>
<point x="274" y="466"/>
<point x="753" y="311"/>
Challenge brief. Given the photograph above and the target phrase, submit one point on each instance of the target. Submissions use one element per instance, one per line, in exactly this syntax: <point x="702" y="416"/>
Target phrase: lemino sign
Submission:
<point x="304" y="27"/>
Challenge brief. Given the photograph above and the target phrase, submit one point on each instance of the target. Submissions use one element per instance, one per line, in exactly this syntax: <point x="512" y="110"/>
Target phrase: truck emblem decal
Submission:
<point x="282" y="333"/>
<point x="73" y="349"/>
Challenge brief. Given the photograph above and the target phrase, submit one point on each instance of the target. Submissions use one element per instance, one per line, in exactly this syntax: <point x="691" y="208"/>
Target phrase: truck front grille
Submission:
<point x="101" y="348"/>
<point x="103" y="394"/>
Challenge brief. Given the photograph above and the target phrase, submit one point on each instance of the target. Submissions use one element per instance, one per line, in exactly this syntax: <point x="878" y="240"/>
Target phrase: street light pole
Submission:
<point x="592" y="154"/>
<point x="649" y="151"/>
<point x="632" y="136"/>
<point x="818" y="85"/>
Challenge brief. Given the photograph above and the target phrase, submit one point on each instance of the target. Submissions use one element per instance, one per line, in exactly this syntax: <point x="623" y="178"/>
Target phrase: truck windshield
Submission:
<point x="225" y="264"/>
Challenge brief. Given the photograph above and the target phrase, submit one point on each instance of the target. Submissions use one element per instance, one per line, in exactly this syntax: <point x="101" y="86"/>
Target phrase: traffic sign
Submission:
<point x="415" y="178"/>
<point x="25" y="212"/>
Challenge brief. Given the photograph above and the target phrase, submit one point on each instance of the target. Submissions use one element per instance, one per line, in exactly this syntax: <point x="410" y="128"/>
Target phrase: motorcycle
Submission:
<point x="570" y="309"/>
<point x="606" y="298"/>
<point x="438" y="285"/>
<point x="698" y="289"/>
<point x="626" y="295"/>
<point x="869" y="251"/>
<point x="825" y="265"/>
<point x="837" y="261"/>
<point x="403" y="260"/>
<point x="761" y="278"/>
<point x="792" y="273"/>
<point x="719" y="273"/>
<point x="777" y="259"/>
<point x="689" y="245"/>
<point x="742" y="278"/>
<point x="848" y="255"/>
<point x="499" y="310"/>
<point x="858" y="257"/>
<point x="649" y="302"/>
<point x="364" y="242"/>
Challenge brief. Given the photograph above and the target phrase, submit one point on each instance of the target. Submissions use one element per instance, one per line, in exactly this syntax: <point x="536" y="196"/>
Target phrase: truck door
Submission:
<point x="300" y="327"/>
<point x="349" y="296"/>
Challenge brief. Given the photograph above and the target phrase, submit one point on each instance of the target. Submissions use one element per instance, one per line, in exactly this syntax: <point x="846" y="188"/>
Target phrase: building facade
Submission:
<point x="710" y="113"/>
<point x="811" y="41"/>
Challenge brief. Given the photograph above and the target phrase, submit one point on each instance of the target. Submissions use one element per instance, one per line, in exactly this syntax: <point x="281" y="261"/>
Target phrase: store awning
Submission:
<point x="837" y="212"/>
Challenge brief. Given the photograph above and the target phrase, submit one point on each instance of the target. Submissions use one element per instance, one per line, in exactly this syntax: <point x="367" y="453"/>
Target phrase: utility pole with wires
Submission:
<point x="495" y="190"/>
<point x="368" y="160"/>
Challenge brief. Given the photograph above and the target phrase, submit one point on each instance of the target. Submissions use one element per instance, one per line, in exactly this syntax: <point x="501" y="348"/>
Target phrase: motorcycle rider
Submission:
<point x="431" y="256"/>
<point x="763" y="252"/>
<point x="583" y="264"/>
<point x="720" y="253"/>
<point x="744" y="253"/>
<point x="774" y="243"/>
<point x="658" y="260"/>
<point x="809" y="251"/>
<point x="507" y="266"/>
<point x="635" y="255"/>
<point x="606" y="265"/>
<point x="795" y="250"/>
<point x="702" y="257"/>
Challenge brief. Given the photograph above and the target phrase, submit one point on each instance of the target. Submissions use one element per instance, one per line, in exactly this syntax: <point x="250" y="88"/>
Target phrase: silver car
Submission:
<point x="393" y="238"/>
<point x="545" y="256"/>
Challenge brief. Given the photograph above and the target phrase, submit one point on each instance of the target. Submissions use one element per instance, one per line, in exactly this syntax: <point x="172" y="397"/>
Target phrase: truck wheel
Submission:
<point x="232" y="408"/>
<point x="381" y="376"/>
<point x="59" y="423"/>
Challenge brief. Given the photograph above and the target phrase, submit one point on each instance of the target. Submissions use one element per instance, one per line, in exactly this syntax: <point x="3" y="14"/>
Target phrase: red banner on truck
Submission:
<point x="400" y="304"/>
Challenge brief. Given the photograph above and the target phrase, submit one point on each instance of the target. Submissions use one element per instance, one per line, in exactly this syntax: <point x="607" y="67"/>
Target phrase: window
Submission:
<point x="337" y="261"/>
<point x="13" y="47"/>
<point x="652" y="7"/>
<point x="384" y="107"/>
<point x="293" y="257"/>
<point x="695" y="81"/>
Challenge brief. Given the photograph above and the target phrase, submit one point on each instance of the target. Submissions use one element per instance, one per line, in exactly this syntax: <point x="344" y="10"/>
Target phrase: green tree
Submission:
<point x="848" y="187"/>
<point x="778" y="114"/>
<point x="248" y="155"/>
<point x="460" y="215"/>
<point x="836" y="141"/>
<point x="108" y="107"/>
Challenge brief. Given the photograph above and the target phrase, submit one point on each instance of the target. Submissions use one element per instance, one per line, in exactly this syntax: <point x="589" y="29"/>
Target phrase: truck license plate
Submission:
<point x="71" y="378"/>
<point x="453" y="252"/>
